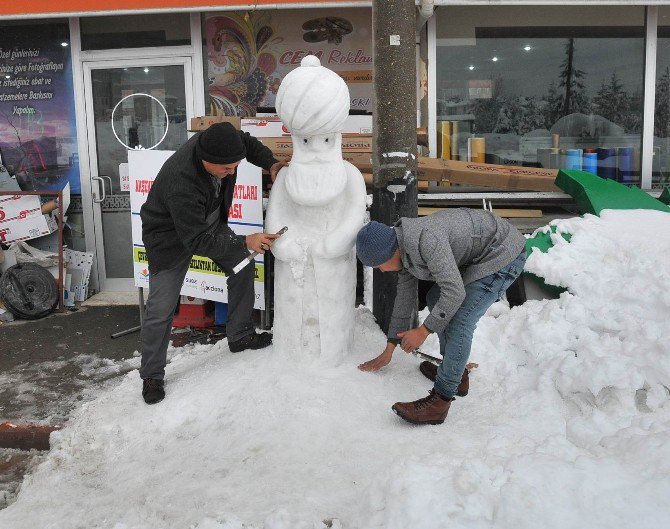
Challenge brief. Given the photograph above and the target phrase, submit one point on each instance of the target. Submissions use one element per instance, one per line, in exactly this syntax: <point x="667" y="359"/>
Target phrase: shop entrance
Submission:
<point x="130" y="104"/>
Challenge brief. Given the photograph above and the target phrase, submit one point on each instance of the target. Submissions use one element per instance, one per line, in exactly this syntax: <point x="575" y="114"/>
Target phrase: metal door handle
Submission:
<point x="101" y="184"/>
<point x="101" y="189"/>
<point x="111" y="189"/>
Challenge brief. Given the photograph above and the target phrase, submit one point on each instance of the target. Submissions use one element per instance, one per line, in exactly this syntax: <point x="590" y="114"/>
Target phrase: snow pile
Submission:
<point x="567" y="423"/>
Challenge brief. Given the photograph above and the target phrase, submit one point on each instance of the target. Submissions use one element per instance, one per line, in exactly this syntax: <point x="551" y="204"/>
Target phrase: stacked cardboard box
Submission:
<point x="357" y="149"/>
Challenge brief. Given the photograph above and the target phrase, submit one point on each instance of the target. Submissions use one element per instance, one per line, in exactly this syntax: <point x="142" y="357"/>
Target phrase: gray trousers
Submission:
<point x="164" y="287"/>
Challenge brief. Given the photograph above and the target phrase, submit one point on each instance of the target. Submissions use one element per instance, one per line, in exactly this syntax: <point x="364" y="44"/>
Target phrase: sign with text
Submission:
<point x="38" y="136"/>
<point x="248" y="54"/>
<point x="204" y="279"/>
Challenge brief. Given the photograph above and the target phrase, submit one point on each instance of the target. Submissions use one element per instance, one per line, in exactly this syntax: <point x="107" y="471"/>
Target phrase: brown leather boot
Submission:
<point x="429" y="370"/>
<point x="432" y="409"/>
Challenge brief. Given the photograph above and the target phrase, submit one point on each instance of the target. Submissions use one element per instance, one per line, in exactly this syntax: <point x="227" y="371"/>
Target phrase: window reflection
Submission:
<point x="549" y="87"/>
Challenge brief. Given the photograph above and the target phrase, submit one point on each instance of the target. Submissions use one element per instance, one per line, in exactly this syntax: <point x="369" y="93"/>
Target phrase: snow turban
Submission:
<point x="312" y="99"/>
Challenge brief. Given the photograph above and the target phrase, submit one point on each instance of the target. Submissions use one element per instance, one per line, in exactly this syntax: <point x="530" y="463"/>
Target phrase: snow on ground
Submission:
<point x="64" y="382"/>
<point x="567" y="424"/>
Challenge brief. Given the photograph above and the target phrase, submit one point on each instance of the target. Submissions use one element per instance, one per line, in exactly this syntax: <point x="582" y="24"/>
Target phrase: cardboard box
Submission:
<point x="480" y="174"/>
<point x="354" y="124"/>
<point x="359" y="159"/>
<point x="488" y="175"/>
<point x="265" y="127"/>
<point x="355" y="158"/>
<point x="28" y="227"/>
<point x="204" y="122"/>
<point x="16" y="207"/>
<point x="351" y="143"/>
<point x="21" y="216"/>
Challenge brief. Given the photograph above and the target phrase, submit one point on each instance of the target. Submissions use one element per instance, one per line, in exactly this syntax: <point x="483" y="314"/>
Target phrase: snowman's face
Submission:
<point x="322" y="148"/>
<point x="316" y="174"/>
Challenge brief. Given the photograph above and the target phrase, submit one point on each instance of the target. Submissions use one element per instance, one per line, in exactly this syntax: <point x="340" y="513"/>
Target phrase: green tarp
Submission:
<point x="593" y="194"/>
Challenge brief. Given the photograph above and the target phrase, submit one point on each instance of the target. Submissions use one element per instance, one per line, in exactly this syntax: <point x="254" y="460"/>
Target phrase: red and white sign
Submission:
<point x="124" y="177"/>
<point x="204" y="280"/>
<point x="21" y="219"/>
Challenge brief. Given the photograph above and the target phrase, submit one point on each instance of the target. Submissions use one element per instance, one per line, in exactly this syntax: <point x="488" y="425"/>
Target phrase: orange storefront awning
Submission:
<point x="68" y="7"/>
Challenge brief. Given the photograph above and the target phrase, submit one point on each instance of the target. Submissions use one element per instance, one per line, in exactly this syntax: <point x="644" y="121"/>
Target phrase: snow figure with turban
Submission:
<point x="320" y="197"/>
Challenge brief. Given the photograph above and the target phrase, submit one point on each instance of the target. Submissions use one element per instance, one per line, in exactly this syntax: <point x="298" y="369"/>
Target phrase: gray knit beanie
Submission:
<point x="376" y="243"/>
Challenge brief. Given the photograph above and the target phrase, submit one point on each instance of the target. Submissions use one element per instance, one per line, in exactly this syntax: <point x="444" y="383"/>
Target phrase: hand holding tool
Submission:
<point x="244" y="262"/>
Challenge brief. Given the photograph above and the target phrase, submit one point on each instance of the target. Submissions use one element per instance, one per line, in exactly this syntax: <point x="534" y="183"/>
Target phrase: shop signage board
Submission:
<point x="38" y="137"/>
<point x="250" y="53"/>
<point x="204" y="279"/>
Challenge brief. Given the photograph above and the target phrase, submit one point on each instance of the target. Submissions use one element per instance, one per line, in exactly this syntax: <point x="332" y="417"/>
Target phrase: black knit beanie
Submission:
<point x="221" y="144"/>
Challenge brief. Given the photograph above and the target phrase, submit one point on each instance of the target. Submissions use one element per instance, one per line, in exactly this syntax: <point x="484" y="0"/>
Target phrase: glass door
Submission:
<point x="132" y="104"/>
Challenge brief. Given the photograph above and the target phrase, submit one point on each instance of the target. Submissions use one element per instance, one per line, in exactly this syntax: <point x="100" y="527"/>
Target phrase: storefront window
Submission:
<point x="135" y="31"/>
<point x="38" y="135"/>
<point x="557" y="87"/>
<point x="247" y="55"/>
<point x="661" y="160"/>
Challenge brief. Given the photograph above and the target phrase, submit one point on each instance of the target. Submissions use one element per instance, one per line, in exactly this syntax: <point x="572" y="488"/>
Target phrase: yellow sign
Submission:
<point x="204" y="265"/>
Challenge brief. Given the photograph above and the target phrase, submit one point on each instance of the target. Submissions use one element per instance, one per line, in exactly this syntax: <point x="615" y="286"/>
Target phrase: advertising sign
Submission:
<point x="204" y="279"/>
<point x="248" y="54"/>
<point x="38" y="138"/>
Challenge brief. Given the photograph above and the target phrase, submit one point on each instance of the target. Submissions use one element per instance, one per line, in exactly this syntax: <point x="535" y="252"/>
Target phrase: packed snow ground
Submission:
<point x="567" y="424"/>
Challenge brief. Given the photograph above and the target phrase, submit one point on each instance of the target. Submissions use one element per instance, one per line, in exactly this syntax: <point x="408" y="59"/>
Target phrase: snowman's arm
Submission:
<point x="351" y="218"/>
<point x="280" y="214"/>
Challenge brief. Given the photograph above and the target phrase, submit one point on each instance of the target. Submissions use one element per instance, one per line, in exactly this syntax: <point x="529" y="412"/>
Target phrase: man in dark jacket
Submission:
<point x="186" y="214"/>
<point x="472" y="256"/>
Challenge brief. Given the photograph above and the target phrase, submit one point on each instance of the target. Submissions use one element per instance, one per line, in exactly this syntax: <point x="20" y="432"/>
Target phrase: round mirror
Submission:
<point x="140" y="121"/>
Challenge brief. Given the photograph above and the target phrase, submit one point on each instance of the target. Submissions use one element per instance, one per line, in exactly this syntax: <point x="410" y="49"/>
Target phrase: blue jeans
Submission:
<point x="456" y="339"/>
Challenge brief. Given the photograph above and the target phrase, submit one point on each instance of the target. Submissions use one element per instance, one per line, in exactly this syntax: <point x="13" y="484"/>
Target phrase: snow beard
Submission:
<point x="315" y="183"/>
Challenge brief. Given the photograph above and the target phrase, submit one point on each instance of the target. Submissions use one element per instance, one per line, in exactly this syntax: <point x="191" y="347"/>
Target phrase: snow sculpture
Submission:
<point x="321" y="198"/>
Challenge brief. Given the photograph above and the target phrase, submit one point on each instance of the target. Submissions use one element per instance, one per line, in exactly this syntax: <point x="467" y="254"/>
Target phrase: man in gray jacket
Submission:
<point x="473" y="256"/>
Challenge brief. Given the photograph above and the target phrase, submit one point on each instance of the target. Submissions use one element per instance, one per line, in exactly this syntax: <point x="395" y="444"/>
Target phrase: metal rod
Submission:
<point x="140" y="294"/>
<point x="61" y="279"/>
<point x="127" y="331"/>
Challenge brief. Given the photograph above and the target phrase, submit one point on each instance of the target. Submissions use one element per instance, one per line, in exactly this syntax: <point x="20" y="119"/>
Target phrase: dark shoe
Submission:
<point x="152" y="390"/>
<point x="429" y="370"/>
<point x="251" y="341"/>
<point x="432" y="409"/>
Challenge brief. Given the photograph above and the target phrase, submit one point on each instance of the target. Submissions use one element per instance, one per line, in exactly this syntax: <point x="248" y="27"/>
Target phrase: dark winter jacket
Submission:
<point x="453" y="247"/>
<point x="183" y="196"/>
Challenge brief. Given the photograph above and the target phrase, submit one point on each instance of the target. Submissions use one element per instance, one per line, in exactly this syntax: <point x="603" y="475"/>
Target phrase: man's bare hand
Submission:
<point x="382" y="360"/>
<point x="261" y="242"/>
<point x="413" y="339"/>
<point x="274" y="170"/>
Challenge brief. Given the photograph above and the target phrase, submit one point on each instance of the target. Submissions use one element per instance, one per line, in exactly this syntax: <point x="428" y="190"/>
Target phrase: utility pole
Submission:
<point x="394" y="127"/>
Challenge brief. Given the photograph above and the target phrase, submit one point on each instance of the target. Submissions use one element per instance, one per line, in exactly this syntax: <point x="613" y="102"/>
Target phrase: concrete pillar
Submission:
<point x="394" y="127"/>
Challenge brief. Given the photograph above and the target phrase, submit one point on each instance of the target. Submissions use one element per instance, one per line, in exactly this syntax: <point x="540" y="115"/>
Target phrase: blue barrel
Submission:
<point x="626" y="168"/>
<point x="591" y="162"/>
<point x="607" y="165"/>
<point x="220" y="313"/>
<point x="573" y="159"/>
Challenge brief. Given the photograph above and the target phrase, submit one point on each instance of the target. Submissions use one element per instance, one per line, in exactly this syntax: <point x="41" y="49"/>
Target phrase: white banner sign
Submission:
<point x="204" y="279"/>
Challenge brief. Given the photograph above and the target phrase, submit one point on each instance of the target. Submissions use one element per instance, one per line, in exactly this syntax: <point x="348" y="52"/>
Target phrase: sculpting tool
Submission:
<point x="424" y="356"/>
<point x="244" y="262"/>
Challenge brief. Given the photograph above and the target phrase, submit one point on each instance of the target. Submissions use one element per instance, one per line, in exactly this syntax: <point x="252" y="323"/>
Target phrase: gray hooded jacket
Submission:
<point x="453" y="247"/>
